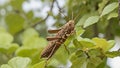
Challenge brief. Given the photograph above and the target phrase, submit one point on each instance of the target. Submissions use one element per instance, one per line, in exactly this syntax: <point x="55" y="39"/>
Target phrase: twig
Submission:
<point x="60" y="10"/>
<point x="46" y="16"/>
<point x="34" y="25"/>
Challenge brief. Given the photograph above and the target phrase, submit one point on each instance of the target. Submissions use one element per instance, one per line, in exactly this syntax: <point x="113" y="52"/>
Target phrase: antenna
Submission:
<point x="77" y="16"/>
<point x="60" y="9"/>
<point x="72" y="15"/>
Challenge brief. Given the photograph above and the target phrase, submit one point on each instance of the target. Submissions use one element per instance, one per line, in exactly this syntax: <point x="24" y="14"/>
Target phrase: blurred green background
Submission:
<point x="24" y="25"/>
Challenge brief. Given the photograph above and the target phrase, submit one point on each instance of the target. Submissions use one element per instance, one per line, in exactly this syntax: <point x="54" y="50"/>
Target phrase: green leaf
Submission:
<point x="9" y="48"/>
<point x="91" y="20"/>
<point x="94" y="62"/>
<point x="14" y="22"/>
<point x="19" y="62"/>
<point x="102" y="43"/>
<point x="17" y="4"/>
<point x="87" y="43"/>
<point x="5" y="38"/>
<point x="39" y="65"/>
<point x="82" y="20"/>
<point x="61" y="51"/>
<point x="30" y="15"/>
<point x="103" y="64"/>
<point x="5" y="66"/>
<point x="102" y="5"/>
<point x="109" y="8"/>
<point x="80" y="53"/>
<point x="30" y="32"/>
<point x="112" y="15"/>
<point x="111" y="44"/>
<point x="112" y="54"/>
<point x="26" y="51"/>
<point x="33" y="53"/>
<point x="79" y="31"/>
<point x="78" y="62"/>
<point x="32" y="39"/>
<point x="94" y="52"/>
<point x="2" y="29"/>
<point x="77" y="44"/>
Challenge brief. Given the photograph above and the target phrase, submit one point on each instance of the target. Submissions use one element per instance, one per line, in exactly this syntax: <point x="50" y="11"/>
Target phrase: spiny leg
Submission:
<point x="53" y="31"/>
<point x="49" y="56"/>
<point x="52" y="38"/>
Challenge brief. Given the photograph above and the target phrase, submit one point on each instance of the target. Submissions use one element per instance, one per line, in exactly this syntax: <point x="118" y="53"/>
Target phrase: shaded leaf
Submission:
<point x="77" y="44"/>
<point x="78" y="62"/>
<point x="94" y="52"/>
<point x="79" y="31"/>
<point x="94" y="62"/>
<point x="112" y="54"/>
<point x="87" y="43"/>
<point x="59" y="55"/>
<point x="17" y="4"/>
<point x="103" y="64"/>
<point x="14" y="22"/>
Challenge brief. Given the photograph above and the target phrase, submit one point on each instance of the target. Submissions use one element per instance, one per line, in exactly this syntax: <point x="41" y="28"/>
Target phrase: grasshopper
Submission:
<point x="55" y="42"/>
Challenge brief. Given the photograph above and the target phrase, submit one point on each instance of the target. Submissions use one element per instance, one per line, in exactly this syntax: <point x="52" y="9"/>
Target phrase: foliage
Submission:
<point x="22" y="35"/>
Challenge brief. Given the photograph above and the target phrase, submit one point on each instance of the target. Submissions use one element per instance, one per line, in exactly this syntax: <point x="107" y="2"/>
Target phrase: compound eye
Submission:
<point x="69" y="24"/>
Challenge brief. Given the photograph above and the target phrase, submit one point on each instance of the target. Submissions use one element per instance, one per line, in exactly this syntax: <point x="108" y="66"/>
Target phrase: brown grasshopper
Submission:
<point x="60" y="37"/>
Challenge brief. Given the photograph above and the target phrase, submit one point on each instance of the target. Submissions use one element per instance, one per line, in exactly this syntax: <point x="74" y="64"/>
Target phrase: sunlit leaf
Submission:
<point x="19" y="62"/>
<point x="82" y="20"/>
<point x="2" y="29"/>
<point x="91" y="20"/>
<point x="5" y="66"/>
<point x="109" y="8"/>
<point x="9" y="48"/>
<point x="32" y="39"/>
<point x="112" y="15"/>
<point x="102" y="43"/>
<point x="5" y="38"/>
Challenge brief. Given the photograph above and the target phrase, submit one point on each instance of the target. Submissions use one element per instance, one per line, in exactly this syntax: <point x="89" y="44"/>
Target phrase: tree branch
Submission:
<point x="34" y="25"/>
<point x="46" y="16"/>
